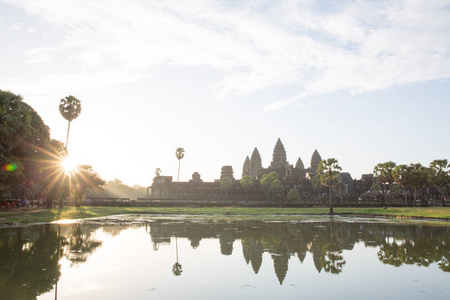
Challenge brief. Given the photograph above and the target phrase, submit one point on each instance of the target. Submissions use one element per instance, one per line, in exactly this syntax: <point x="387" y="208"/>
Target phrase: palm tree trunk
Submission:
<point x="331" y="198"/>
<point x="406" y="196"/>
<point x="390" y="193"/>
<point x="179" y="164"/>
<point x="415" y="197"/>
<point x="67" y="140"/>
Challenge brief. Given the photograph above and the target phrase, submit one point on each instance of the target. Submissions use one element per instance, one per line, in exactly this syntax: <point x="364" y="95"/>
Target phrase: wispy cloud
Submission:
<point x="358" y="46"/>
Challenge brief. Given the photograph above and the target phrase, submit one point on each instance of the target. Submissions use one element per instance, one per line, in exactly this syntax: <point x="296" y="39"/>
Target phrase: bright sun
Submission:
<point x="69" y="164"/>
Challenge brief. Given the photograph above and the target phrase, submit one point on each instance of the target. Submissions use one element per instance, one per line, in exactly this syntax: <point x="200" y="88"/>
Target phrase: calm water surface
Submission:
<point x="191" y="258"/>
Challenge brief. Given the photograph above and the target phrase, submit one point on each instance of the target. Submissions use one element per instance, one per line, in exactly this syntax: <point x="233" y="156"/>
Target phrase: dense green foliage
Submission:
<point x="270" y="183"/>
<point x="293" y="194"/>
<point x="29" y="159"/>
<point x="384" y="173"/>
<point x="225" y="184"/>
<point x="246" y="183"/>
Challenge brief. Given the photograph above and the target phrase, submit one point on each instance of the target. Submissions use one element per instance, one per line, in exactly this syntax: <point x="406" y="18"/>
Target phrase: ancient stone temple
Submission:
<point x="289" y="174"/>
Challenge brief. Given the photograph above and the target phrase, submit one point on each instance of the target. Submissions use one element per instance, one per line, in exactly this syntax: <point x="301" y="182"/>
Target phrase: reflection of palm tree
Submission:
<point x="332" y="259"/>
<point x="177" y="269"/>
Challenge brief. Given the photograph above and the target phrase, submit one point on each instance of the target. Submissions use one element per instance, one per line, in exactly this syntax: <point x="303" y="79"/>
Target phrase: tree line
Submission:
<point x="414" y="177"/>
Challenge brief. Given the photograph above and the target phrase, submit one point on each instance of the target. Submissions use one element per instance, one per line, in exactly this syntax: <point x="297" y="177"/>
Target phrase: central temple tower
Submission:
<point x="279" y="156"/>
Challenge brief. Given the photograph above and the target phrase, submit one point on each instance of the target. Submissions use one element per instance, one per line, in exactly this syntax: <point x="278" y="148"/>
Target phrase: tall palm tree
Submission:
<point x="440" y="176"/>
<point x="383" y="172"/>
<point x="401" y="178"/>
<point x="179" y="153"/>
<point x="70" y="109"/>
<point x="329" y="170"/>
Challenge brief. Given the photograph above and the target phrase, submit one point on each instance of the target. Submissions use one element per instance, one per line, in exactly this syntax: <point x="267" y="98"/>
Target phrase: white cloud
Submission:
<point x="39" y="55"/>
<point x="358" y="46"/>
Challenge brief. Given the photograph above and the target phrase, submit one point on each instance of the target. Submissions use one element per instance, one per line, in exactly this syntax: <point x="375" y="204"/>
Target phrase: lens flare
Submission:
<point x="69" y="164"/>
<point x="9" y="167"/>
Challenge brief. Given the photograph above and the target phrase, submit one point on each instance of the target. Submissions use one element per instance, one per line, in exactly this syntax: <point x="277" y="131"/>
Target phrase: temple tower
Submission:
<point x="227" y="171"/>
<point x="255" y="164"/>
<point x="299" y="165"/>
<point x="279" y="156"/>
<point x="246" y="167"/>
<point x="315" y="160"/>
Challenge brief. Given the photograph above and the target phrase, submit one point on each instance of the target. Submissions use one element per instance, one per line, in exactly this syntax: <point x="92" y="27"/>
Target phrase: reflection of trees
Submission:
<point x="28" y="262"/>
<point x="332" y="259"/>
<point x="422" y="251"/>
<point x="80" y="244"/>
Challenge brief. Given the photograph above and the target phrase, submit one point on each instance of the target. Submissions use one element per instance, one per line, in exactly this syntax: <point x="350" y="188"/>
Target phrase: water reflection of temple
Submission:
<point x="323" y="241"/>
<point x="30" y="256"/>
<point x="291" y="176"/>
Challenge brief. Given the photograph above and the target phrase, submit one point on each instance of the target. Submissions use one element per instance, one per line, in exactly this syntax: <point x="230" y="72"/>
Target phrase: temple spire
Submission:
<point x="315" y="160"/>
<point x="299" y="165"/>
<point x="279" y="156"/>
<point x="246" y="167"/>
<point x="255" y="164"/>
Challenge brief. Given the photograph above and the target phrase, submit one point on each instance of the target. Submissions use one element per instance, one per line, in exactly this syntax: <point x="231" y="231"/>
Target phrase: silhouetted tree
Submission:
<point x="246" y="183"/>
<point x="266" y="181"/>
<point x="179" y="153"/>
<point x="225" y="184"/>
<point x="84" y="178"/>
<point x="383" y="172"/>
<point x="329" y="170"/>
<point x="440" y="176"/>
<point x="70" y="109"/>
<point x="400" y="176"/>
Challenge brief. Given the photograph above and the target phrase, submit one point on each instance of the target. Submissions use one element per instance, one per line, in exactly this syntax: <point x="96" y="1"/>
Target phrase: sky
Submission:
<point x="360" y="81"/>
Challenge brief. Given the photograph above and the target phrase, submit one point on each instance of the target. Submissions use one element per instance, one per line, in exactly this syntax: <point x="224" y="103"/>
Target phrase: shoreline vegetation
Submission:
<point x="29" y="216"/>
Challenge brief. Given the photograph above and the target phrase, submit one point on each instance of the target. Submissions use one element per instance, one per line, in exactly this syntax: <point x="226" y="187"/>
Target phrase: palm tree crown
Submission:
<point x="70" y="109"/>
<point x="179" y="153"/>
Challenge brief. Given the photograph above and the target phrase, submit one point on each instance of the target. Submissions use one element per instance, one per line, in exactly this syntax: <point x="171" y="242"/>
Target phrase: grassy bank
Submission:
<point x="30" y="215"/>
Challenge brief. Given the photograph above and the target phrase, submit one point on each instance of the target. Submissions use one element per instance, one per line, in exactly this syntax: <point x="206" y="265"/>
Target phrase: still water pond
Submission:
<point x="189" y="258"/>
